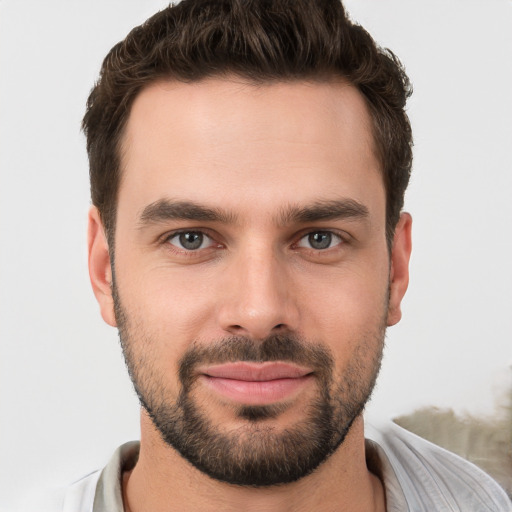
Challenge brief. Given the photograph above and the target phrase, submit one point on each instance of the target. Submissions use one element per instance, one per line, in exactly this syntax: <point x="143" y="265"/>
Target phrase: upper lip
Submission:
<point x="249" y="371"/>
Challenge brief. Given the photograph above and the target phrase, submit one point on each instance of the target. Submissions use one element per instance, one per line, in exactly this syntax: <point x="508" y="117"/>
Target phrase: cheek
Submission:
<point x="351" y="322"/>
<point x="156" y="337"/>
<point x="172" y="308"/>
<point x="346" y="302"/>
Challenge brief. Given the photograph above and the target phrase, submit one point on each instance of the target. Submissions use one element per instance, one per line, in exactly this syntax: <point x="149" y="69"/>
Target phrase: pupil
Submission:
<point x="191" y="240"/>
<point x="320" y="240"/>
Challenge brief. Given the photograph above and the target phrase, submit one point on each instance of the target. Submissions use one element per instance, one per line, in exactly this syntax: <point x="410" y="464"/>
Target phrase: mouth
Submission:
<point x="251" y="383"/>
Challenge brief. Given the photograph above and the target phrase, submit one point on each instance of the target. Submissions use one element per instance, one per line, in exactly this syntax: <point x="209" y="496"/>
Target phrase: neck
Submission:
<point x="163" y="481"/>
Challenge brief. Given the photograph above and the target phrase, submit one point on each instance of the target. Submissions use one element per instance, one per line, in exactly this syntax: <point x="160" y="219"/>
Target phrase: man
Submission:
<point x="248" y="165"/>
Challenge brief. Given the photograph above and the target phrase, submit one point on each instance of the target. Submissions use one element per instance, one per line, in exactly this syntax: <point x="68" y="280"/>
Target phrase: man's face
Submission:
<point x="252" y="278"/>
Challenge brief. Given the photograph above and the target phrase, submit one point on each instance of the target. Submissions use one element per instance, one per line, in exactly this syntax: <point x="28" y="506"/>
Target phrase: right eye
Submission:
<point x="190" y="240"/>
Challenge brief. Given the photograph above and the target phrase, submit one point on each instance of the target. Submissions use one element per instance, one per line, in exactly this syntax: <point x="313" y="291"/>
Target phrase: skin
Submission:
<point x="252" y="151"/>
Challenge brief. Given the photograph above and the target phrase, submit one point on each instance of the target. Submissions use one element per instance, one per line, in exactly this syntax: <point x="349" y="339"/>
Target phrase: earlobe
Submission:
<point x="100" y="271"/>
<point x="399" y="269"/>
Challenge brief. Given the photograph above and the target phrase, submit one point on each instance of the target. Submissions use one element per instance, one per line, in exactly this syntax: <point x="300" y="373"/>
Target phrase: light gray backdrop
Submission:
<point x="65" y="400"/>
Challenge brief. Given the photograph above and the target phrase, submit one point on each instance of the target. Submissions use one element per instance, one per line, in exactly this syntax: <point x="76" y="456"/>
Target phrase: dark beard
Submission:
<point x="254" y="454"/>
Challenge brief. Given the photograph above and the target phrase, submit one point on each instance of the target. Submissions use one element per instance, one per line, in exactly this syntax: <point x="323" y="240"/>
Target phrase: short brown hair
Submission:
<point x="260" y="40"/>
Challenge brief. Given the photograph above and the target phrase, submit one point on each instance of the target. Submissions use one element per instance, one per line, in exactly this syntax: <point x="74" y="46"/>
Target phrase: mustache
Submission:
<point x="287" y="348"/>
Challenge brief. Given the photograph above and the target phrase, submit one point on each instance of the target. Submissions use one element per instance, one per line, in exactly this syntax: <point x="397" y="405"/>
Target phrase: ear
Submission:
<point x="399" y="271"/>
<point x="100" y="271"/>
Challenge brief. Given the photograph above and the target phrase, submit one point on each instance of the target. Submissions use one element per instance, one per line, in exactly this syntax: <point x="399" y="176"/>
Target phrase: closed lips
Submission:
<point x="256" y="383"/>
<point x="256" y="372"/>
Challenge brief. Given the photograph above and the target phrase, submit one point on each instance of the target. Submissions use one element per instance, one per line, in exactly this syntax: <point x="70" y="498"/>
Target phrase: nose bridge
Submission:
<point x="259" y="299"/>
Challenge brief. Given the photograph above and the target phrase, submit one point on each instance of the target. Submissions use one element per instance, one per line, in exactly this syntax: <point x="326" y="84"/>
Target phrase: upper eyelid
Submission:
<point x="176" y="233"/>
<point x="336" y="232"/>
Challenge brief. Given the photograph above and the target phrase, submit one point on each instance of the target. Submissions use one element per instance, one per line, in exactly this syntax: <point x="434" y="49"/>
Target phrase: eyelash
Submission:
<point x="166" y="240"/>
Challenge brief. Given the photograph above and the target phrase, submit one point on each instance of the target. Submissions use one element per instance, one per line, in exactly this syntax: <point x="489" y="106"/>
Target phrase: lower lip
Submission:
<point x="256" y="392"/>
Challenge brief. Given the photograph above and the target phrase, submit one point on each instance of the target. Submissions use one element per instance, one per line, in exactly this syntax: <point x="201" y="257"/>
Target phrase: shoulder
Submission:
<point x="430" y="478"/>
<point x="98" y="491"/>
<point x="77" y="497"/>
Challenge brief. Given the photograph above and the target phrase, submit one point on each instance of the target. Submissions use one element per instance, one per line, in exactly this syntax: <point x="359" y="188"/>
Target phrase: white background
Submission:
<point x="65" y="400"/>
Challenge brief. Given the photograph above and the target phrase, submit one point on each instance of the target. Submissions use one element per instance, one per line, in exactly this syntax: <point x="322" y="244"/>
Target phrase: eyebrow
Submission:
<point x="165" y="209"/>
<point x="325" y="210"/>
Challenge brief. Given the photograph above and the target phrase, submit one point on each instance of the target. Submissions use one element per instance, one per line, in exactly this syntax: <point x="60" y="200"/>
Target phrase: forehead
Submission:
<point x="226" y="139"/>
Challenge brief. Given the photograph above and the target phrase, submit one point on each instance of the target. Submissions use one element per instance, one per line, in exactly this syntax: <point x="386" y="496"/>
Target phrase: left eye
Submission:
<point x="320" y="240"/>
<point x="190" y="240"/>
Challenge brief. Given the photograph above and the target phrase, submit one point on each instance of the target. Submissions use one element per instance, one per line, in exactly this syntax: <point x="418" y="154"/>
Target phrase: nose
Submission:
<point x="258" y="298"/>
